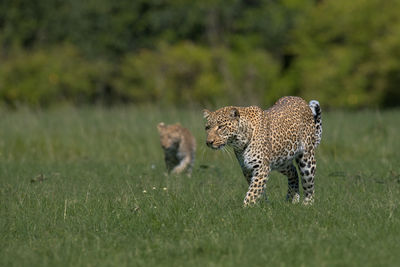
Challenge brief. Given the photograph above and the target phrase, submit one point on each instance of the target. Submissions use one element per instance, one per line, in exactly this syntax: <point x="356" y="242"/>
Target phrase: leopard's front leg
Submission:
<point x="248" y="175"/>
<point x="257" y="185"/>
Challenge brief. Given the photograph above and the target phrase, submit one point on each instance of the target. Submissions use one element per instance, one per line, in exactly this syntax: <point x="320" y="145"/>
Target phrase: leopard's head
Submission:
<point x="221" y="126"/>
<point x="169" y="136"/>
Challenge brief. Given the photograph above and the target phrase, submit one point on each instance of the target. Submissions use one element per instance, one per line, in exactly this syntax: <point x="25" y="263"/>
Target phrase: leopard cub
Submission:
<point x="179" y="147"/>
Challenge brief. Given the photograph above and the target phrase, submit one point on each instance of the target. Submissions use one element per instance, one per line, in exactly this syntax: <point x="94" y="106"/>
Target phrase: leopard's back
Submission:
<point x="290" y="130"/>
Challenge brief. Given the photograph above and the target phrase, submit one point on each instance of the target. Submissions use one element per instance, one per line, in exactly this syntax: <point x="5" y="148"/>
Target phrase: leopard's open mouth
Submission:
<point x="217" y="147"/>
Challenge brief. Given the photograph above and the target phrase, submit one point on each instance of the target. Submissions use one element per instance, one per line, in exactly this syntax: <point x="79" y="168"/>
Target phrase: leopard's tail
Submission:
<point x="316" y="111"/>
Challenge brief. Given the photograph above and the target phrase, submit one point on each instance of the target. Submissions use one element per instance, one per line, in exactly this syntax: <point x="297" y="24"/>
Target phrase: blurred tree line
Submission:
<point x="343" y="53"/>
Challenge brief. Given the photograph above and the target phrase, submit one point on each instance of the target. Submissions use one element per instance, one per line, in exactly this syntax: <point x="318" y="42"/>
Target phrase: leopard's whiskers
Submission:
<point x="202" y="150"/>
<point x="227" y="151"/>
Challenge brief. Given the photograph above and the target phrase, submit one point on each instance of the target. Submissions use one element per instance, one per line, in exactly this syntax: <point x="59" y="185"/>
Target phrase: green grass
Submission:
<point x="91" y="209"/>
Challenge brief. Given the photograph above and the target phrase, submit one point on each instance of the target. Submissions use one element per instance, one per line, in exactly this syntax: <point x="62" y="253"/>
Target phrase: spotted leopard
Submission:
<point x="272" y="139"/>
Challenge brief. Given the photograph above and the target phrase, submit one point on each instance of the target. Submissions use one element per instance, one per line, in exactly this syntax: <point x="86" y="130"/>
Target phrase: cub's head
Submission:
<point x="221" y="126"/>
<point x="170" y="135"/>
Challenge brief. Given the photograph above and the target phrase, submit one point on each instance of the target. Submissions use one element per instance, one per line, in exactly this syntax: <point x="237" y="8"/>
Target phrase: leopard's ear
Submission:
<point x="206" y="113"/>
<point x="234" y="112"/>
<point x="160" y="126"/>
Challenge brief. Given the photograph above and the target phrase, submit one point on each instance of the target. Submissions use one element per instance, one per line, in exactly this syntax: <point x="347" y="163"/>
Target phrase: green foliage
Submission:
<point x="41" y="77"/>
<point x="251" y="77"/>
<point x="179" y="74"/>
<point x="348" y="53"/>
<point x="187" y="73"/>
<point x="343" y="53"/>
<point x="85" y="187"/>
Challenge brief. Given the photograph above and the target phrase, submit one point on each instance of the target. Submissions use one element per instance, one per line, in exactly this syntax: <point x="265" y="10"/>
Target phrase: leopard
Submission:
<point x="277" y="139"/>
<point x="179" y="147"/>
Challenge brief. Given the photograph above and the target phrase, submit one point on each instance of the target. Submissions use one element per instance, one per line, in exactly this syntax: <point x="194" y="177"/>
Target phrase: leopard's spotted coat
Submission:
<point x="270" y="140"/>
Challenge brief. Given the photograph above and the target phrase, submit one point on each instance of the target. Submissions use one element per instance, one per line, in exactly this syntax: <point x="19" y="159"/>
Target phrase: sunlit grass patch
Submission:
<point x="89" y="187"/>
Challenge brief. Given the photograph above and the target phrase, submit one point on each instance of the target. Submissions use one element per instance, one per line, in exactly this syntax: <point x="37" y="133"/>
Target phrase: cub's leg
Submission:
<point x="183" y="164"/>
<point x="307" y="165"/>
<point x="170" y="164"/>
<point x="293" y="194"/>
<point x="190" y="165"/>
<point x="257" y="185"/>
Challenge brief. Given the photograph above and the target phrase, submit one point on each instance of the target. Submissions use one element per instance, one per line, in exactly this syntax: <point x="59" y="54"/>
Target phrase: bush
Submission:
<point x="43" y="77"/>
<point x="178" y="74"/>
<point x="348" y="53"/>
<point x="186" y="73"/>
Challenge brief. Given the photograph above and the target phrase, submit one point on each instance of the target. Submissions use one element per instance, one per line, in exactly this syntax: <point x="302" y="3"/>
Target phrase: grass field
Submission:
<point x="87" y="187"/>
